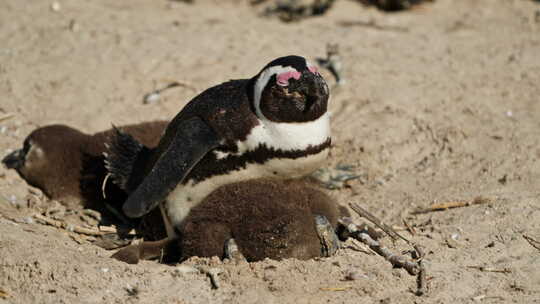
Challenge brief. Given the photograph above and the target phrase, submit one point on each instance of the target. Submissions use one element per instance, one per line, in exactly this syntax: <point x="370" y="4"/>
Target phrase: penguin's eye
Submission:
<point x="282" y="79"/>
<point x="313" y="69"/>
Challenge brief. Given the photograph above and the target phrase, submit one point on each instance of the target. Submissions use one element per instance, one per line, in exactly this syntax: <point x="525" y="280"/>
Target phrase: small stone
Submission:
<point x="183" y="269"/>
<point x="74" y="26"/>
<point x="55" y="6"/>
<point x="12" y="199"/>
<point x="451" y="243"/>
<point x="151" y="98"/>
<point x="354" y="275"/>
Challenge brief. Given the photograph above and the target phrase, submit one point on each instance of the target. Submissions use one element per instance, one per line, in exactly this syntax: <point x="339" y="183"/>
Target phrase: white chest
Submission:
<point x="283" y="137"/>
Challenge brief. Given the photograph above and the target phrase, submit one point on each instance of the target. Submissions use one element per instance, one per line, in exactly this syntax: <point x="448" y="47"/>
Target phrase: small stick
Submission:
<point x="490" y="269"/>
<point x="396" y="260"/>
<point x="4" y="294"/>
<point x="532" y="242"/>
<point x="421" y="280"/>
<point x="212" y="273"/>
<point x="93" y="214"/>
<point x="155" y="95"/>
<point x="335" y="288"/>
<point x="7" y="116"/>
<point x="452" y="204"/>
<point x="107" y="229"/>
<point x="366" y="214"/>
<point x="62" y="225"/>
<point x="409" y="227"/>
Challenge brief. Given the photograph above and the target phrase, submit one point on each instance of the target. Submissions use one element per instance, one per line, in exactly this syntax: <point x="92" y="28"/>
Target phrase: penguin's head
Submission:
<point x="289" y="89"/>
<point x="47" y="154"/>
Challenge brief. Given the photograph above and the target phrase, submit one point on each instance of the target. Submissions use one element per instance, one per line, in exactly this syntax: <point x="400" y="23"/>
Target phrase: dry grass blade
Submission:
<point x="3" y="294"/>
<point x="452" y="204"/>
<point x="7" y="116"/>
<point x="65" y="226"/>
<point x="532" y="242"/>
<point x="335" y="288"/>
<point x="491" y="269"/>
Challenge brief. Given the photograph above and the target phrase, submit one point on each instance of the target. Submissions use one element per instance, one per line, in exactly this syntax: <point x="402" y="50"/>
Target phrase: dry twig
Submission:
<point x="3" y="294"/>
<point x="421" y="279"/>
<point x="335" y="288"/>
<point x="366" y="214"/>
<point x="7" y="116"/>
<point x="155" y="95"/>
<point x="490" y="269"/>
<point x="453" y="204"/>
<point x="65" y="226"/>
<point x="396" y="260"/>
<point x="408" y="227"/>
<point x="533" y="242"/>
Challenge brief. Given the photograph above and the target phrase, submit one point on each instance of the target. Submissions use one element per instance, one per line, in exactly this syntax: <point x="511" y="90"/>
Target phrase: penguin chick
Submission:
<point x="267" y="219"/>
<point x="275" y="219"/>
<point x="67" y="165"/>
<point x="274" y="124"/>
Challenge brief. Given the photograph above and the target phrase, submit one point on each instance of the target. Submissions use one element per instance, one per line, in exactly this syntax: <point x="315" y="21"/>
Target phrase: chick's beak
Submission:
<point x="14" y="160"/>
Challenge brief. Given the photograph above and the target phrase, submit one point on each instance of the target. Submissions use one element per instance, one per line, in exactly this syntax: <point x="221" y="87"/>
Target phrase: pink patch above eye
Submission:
<point x="313" y="69"/>
<point x="283" y="78"/>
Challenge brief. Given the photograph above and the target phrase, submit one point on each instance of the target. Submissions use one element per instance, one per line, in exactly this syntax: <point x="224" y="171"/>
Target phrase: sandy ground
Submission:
<point x="442" y="103"/>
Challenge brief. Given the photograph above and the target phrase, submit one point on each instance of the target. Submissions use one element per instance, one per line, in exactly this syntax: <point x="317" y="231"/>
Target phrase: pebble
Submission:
<point x="74" y="26"/>
<point x="55" y="6"/>
<point x="183" y="269"/>
<point x="354" y="275"/>
<point x="151" y="98"/>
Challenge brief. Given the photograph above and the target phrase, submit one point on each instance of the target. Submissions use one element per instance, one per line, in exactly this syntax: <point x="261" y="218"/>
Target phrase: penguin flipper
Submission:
<point x="190" y="143"/>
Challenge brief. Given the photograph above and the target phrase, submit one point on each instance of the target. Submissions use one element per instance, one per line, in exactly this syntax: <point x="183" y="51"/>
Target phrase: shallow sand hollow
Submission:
<point x="442" y="103"/>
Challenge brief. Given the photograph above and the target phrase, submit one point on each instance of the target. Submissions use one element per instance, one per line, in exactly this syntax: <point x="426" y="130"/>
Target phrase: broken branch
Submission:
<point x="396" y="260"/>
<point x="366" y="214"/>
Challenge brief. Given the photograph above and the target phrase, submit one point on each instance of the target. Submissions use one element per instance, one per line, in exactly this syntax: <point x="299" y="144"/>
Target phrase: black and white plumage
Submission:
<point x="272" y="125"/>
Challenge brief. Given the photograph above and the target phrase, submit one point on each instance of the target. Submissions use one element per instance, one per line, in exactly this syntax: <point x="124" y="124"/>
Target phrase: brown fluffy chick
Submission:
<point x="273" y="219"/>
<point x="68" y="165"/>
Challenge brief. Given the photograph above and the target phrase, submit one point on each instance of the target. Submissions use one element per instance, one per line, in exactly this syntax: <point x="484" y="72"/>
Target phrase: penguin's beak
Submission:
<point x="14" y="160"/>
<point x="315" y="89"/>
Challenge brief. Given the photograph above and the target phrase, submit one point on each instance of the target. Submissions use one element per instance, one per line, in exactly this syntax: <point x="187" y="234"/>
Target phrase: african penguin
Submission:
<point x="274" y="124"/>
<point x="267" y="218"/>
<point x="67" y="165"/>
